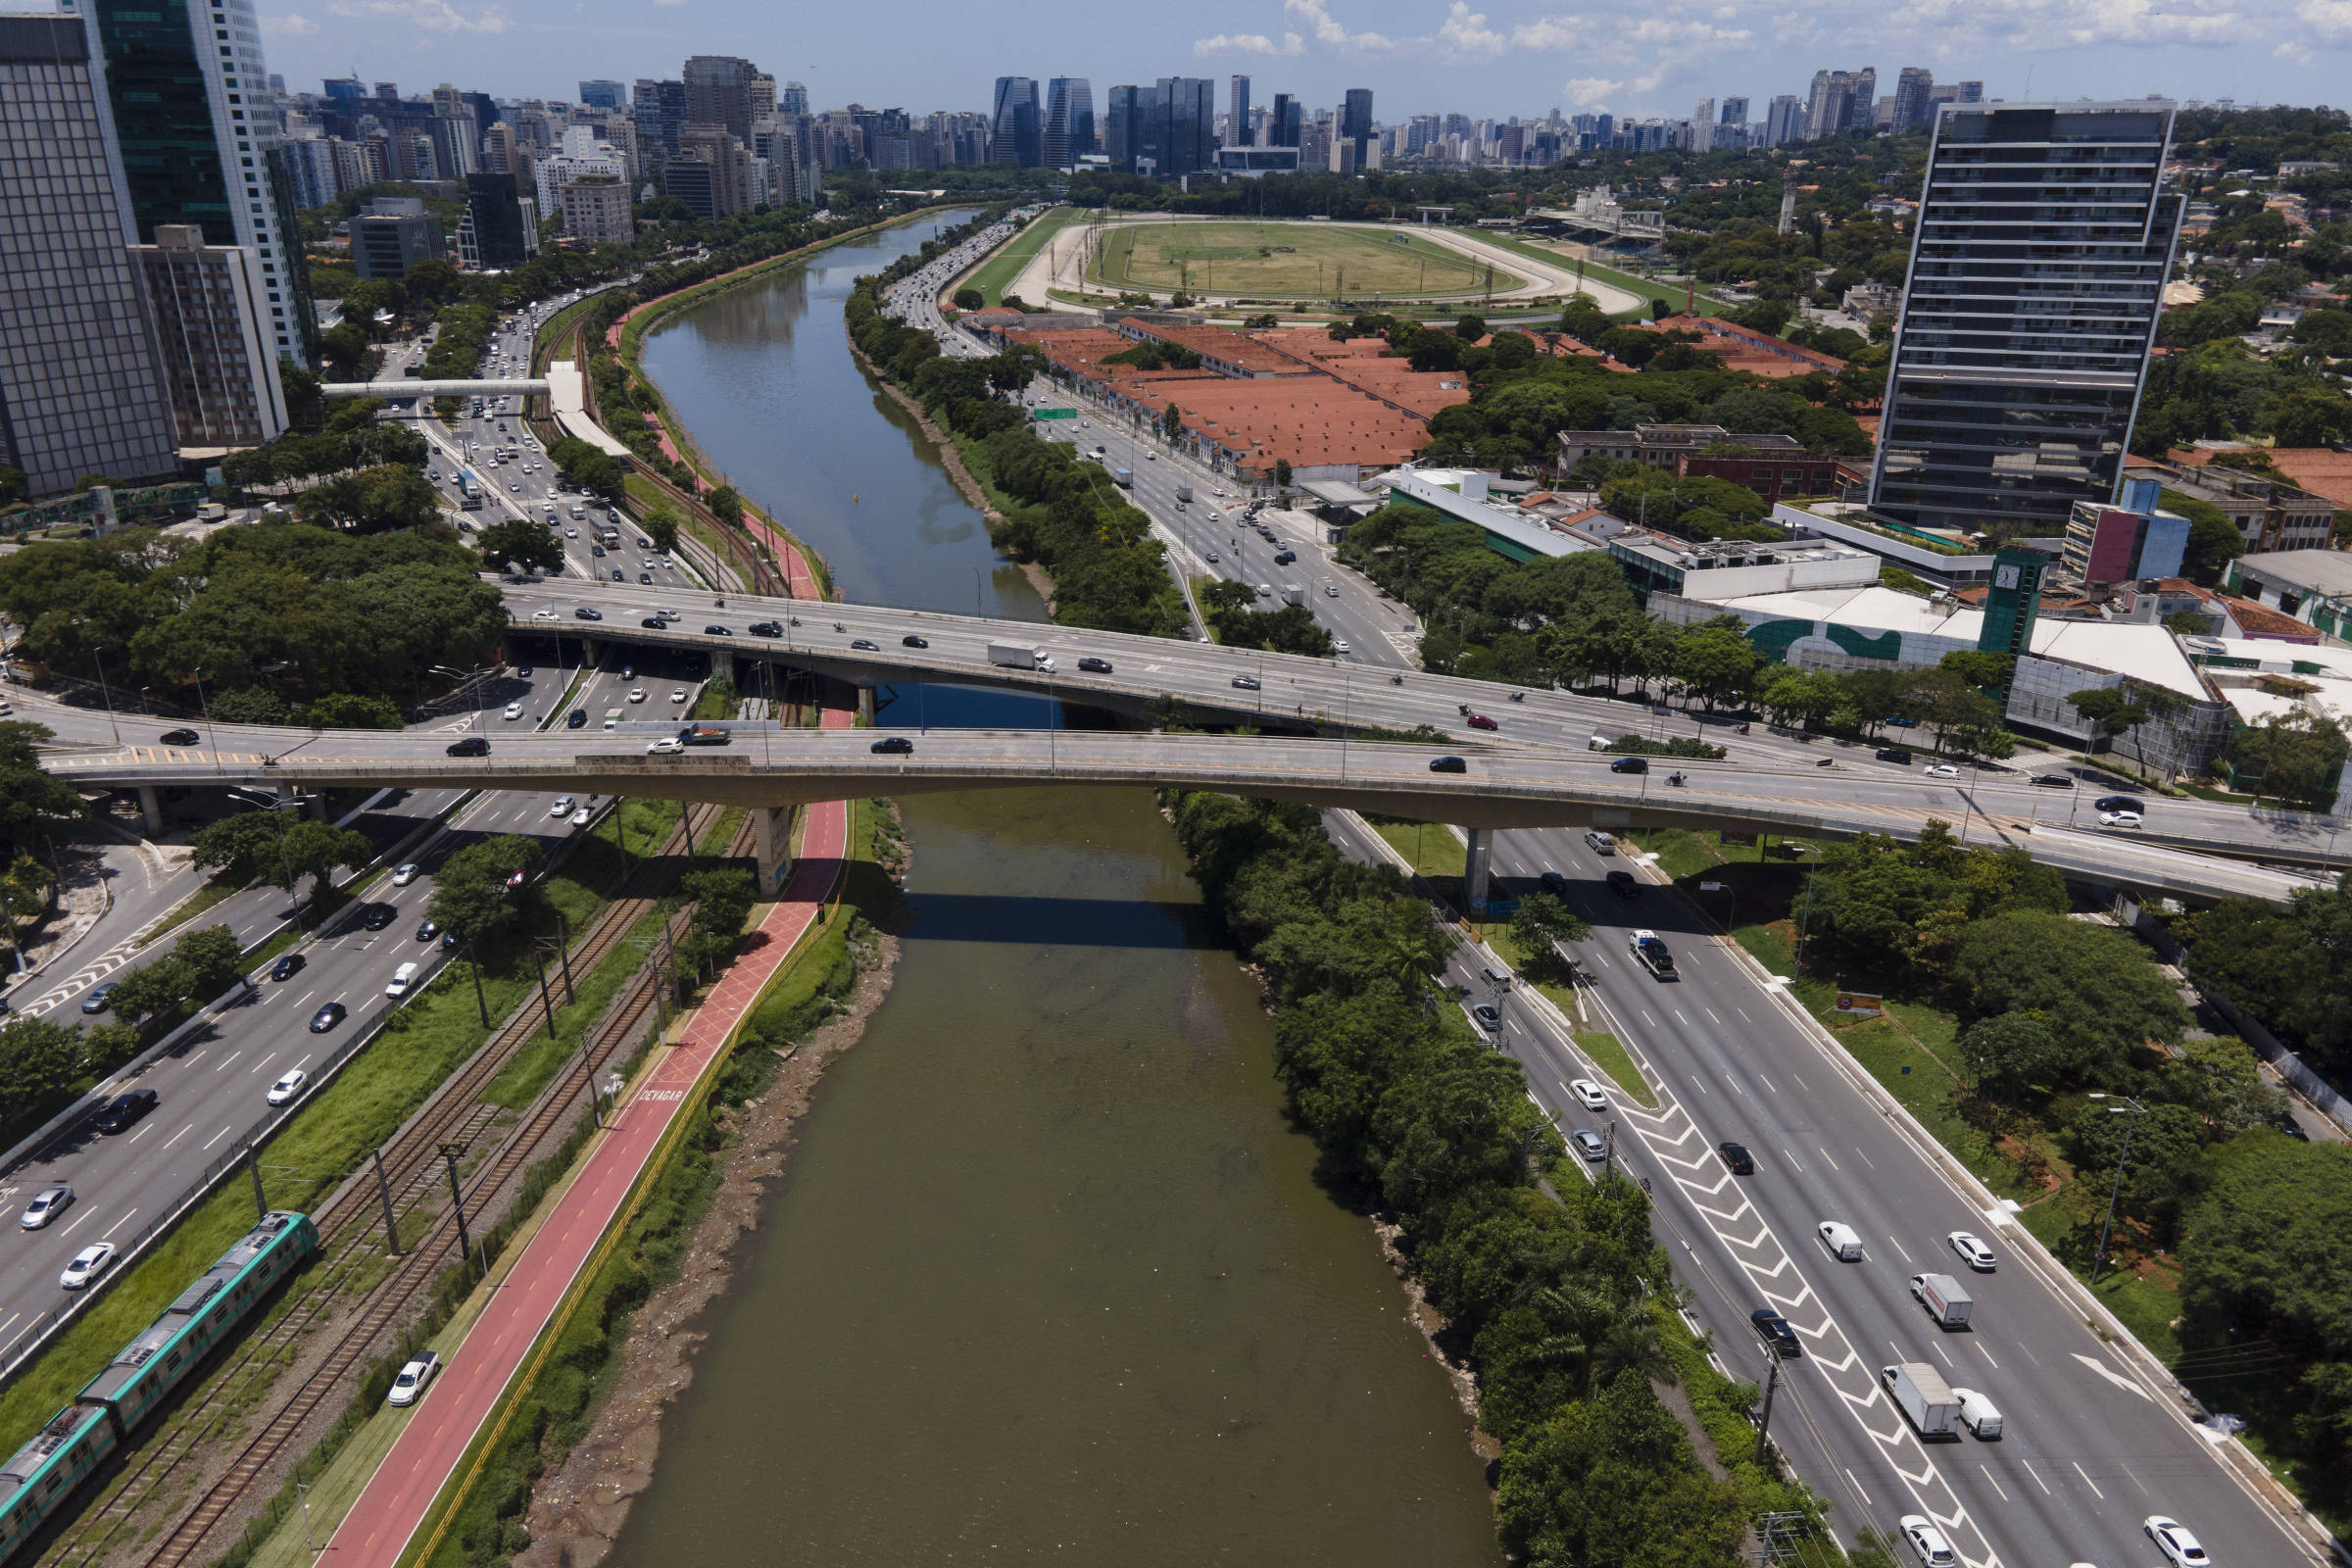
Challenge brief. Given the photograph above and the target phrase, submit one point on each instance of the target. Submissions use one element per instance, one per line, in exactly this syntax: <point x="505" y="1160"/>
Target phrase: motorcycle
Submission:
<point x="1396" y="680"/>
<point x="1463" y="709"/>
<point x="1744" y="729"/>
<point x="1674" y="778"/>
<point x="1518" y="697"/>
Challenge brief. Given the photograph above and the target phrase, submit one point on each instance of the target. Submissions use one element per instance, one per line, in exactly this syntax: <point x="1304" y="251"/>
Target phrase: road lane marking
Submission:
<point x="1996" y="1485"/>
<point x="1742" y="1013"/>
<point x="1767" y="1083"/>
<point x="2087" y="1481"/>
<point x="1947" y="1359"/>
<point x="108" y="1233"/>
<point x="141" y="1133"/>
<point x="2038" y="1481"/>
<point x="1709" y="1011"/>
<point x="1988" y="1354"/>
<point x="1791" y="1155"/>
<point x="176" y="1137"/>
<point x="1801" y="1084"/>
<point x="2113" y="1376"/>
<point x="216" y="1138"/>
<point x="1825" y="1154"/>
<point x="263" y="1063"/>
<point x="85" y="1214"/>
<point x="1857" y="1486"/>
<point x="1865" y="1159"/>
<point x="231" y="1057"/>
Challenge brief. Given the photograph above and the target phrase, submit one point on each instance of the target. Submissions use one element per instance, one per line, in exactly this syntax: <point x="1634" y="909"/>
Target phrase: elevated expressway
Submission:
<point x="769" y="770"/>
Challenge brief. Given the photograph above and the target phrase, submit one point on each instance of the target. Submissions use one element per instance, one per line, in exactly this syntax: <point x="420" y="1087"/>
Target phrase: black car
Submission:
<point x="863" y="646"/>
<point x="1244" y="683"/>
<point x="1095" y="666"/>
<point x="378" y="916"/>
<point x="326" y="1017"/>
<point x="912" y="641"/>
<point x="119" y="1112"/>
<point x="895" y="745"/>
<point x="645" y="577"/>
<point x="2053" y="781"/>
<point x="96" y="1001"/>
<point x="1554" y="884"/>
<point x="654" y="623"/>
<point x="765" y="629"/>
<point x="178" y="737"/>
<point x="1630" y="765"/>
<point x="577" y="718"/>
<point x="2120" y="803"/>
<point x="426" y="930"/>
<point x="1893" y="754"/>
<point x="1775" y="1331"/>
<point x="1737" y="1157"/>
<point x="1283" y="558"/>
<point x="470" y="746"/>
<point x="717" y="631"/>
<point x="587" y="612"/>
<point x="1622" y="884"/>
<point x="1448" y="764"/>
<point x="618" y="575"/>
<point x="287" y="968"/>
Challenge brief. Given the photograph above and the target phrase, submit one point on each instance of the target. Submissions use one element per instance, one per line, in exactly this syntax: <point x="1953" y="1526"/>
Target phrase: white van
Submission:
<point x="612" y="718"/>
<point x="1842" y="1240"/>
<point x="1978" y="1414"/>
<point x="399" y="980"/>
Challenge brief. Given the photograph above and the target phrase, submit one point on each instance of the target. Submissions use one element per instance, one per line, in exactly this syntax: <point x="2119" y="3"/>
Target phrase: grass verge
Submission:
<point x="1608" y="1054"/>
<point x="1002" y="267"/>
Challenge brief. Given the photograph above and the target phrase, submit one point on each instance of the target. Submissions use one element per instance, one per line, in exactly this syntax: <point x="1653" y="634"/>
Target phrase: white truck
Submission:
<point x="1945" y="1300"/>
<point x="1184" y="492"/>
<point x="1019" y="655"/>
<point x="1919" y="1391"/>
<point x="1292" y="594"/>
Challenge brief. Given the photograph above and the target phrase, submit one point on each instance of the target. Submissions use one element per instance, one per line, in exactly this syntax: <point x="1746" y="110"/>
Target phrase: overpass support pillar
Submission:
<point x="865" y="703"/>
<point x="1475" y="859"/>
<point x="151" y="807"/>
<point x="771" y="844"/>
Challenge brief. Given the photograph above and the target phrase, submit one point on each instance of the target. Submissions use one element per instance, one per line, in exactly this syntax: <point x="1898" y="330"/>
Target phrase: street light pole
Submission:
<point x="106" y="695"/>
<point x="2136" y="1110"/>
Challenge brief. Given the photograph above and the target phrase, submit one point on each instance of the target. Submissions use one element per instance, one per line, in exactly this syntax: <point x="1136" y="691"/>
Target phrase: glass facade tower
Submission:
<point x="2038" y="273"/>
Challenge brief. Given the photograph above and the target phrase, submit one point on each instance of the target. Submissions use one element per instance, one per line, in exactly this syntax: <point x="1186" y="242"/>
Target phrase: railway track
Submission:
<point x="455" y="1114"/>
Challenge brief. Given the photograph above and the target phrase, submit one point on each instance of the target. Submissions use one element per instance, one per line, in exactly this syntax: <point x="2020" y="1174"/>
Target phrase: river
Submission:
<point x="1048" y="1275"/>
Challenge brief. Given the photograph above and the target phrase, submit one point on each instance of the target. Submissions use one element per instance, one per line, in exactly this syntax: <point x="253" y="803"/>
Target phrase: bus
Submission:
<point x="470" y="489"/>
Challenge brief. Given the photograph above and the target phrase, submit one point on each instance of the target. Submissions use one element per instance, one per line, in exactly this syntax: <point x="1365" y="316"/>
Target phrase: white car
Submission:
<point x="403" y="875"/>
<point x="543" y="614"/>
<point x="636" y="694"/>
<point x="1339" y="644"/>
<point x="88" y="1264"/>
<point x="1940" y="770"/>
<point x="1972" y="1252"/>
<point x="1927" y="1543"/>
<point x="677" y="694"/>
<point x="2119" y="820"/>
<point x="579" y="818"/>
<point x="667" y="746"/>
<point x="514" y="709"/>
<point x="561" y="807"/>
<point x="288" y="1085"/>
<point x="2171" y="1538"/>
<point x="413" y="1378"/>
<point x="46" y="1205"/>
<point x="1588" y="1094"/>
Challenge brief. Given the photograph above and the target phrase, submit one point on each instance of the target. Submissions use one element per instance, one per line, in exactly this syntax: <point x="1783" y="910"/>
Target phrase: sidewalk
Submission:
<point x="468" y="1394"/>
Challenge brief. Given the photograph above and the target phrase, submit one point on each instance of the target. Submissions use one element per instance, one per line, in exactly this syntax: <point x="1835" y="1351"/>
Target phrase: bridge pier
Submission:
<point x="865" y="705"/>
<point x="771" y="846"/>
<point x="151" y="808"/>
<point x="1479" y="851"/>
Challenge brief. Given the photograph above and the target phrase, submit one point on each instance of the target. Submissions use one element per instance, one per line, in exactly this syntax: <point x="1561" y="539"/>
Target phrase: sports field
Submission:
<point x="1287" y="260"/>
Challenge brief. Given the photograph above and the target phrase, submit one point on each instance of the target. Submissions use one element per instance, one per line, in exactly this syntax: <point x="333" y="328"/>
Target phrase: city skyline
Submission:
<point x="1417" y="58"/>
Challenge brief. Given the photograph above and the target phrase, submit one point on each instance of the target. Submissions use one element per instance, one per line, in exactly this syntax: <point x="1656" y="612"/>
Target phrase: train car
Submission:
<point x="147" y="1369"/>
<point x="45" y="1471"/>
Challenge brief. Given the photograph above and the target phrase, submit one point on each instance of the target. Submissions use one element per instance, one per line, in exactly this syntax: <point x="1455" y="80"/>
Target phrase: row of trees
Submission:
<point x="350" y="441"/>
<point x="1553" y="1299"/>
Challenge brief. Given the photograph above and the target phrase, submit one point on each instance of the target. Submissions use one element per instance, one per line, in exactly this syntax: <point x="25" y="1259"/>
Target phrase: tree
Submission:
<point x="2297" y="756"/>
<point x="725" y="505"/>
<point x="12" y="483"/>
<point x="1282" y="473"/>
<point x="37" y="1059"/>
<point x="1171" y="422"/>
<point x="471" y="896"/>
<point x="316" y="850"/>
<point x="722" y="896"/>
<point x="2101" y="995"/>
<point x="212" y="960"/>
<point x="518" y="541"/>
<point x="660" y="523"/>
<point x="1538" y="926"/>
<point x="1716" y="660"/>
<point x="345" y="711"/>
<point x="1470" y="328"/>
<point x="235" y="847"/>
<point x="150" y="989"/>
<point x="1611" y="1483"/>
<point x="968" y="298"/>
<point x="34" y="805"/>
<point x="2008" y="1052"/>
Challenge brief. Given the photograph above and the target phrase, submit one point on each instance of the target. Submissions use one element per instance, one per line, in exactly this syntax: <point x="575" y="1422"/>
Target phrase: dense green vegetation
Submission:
<point x="1554" y="1299"/>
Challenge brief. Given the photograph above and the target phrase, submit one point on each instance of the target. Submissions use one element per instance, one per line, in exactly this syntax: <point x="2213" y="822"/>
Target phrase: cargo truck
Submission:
<point x="1926" y="1402"/>
<point x="1292" y="594"/>
<point x="1184" y="492"/>
<point x="704" y="735"/>
<point x="1019" y="655"/>
<point x="1945" y="1300"/>
<point x="1123" y="476"/>
<point x="1652" y="954"/>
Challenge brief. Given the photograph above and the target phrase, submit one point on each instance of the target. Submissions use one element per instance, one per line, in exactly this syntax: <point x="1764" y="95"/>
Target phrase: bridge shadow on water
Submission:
<point x="1060" y="922"/>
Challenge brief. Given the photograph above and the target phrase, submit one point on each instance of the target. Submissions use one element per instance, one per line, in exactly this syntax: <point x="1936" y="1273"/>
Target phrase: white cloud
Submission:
<point x="2331" y="19"/>
<point x="434" y="16"/>
<point x="293" y="25"/>
<point x="1464" y="37"/>
<point x="1224" y="43"/>
<point x="1590" y="93"/>
<point x="1328" y="29"/>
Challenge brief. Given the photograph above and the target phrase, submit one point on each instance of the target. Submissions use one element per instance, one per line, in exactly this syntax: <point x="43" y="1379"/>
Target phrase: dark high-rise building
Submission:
<point x="1131" y="130"/>
<point x="659" y="108"/>
<point x="2037" y="270"/>
<point x="602" y="95"/>
<point x="197" y="126"/>
<point x="1283" y="125"/>
<point x="1913" y="90"/>
<point x="80" y="390"/>
<point x="1018" y="134"/>
<point x="1237" y="111"/>
<point x="495" y="204"/>
<point x="1355" y="123"/>
<point x="1188" y="133"/>
<point x="1069" y="129"/>
<point x="719" y="92"/>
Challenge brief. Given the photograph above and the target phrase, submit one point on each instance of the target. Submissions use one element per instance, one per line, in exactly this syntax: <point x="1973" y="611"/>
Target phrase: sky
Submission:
<point x="1650" y="57"/>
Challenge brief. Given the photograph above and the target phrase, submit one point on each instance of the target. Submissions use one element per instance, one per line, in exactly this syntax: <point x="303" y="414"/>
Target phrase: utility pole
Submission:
<point x="545" y="1001"/>
<point x="253" y="1163"/>
<point x="1771" y="1383"/>
<point x="383" y="1190"/>
<point x="1608" y="1150"/>
<point x="564" y="955"/>
<point x="473" y="962"/>
<point x="457" y="1200"/>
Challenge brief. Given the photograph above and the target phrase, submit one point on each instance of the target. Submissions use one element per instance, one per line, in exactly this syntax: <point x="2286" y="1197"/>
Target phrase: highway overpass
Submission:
<point x="770" y="769"/>
<point x="411" y="387"/>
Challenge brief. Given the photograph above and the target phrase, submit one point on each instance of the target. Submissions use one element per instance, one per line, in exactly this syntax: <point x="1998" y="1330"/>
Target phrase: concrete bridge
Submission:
<point x="411" y="387"/>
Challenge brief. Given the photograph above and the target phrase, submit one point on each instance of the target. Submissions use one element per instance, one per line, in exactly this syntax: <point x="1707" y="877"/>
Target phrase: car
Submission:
<point x="1899" y="755"/>
<point x="579" y="818"/>
<point x="561" y="807"/>
<point x="665" y="614"/>
<point x="2119" y="820"/>
<point x="1330" y="590"/>
<point x="1283" y="558"/>
<point x="2053" y="781"/>
<point x="652" y="622"/>
<point x="864" y="646"/>
<point x="409" y="1386"/>
<point x="426" y="930"/>
<point x="2173" y="1539"/>
<point x="379" y="915"/>
<point x="2120" y="803"/>
<point x="1448" y="764"/>
<point x="596" y="549"/>
<point x="97" y="999"/>
<point x="647" y="578"/>
<point x="1265" y="590"/>
<point x="587" y="612"/>
<point x="290" y="1083"/>
<point x="122" y="1112"/>
<point x="1554" y="883"/>
<point x="717" y="631"/>
<point x="636" y="694"/>
<point x="524" y="672"/>
<point x="1244" y="683"/>
<point x="677" y="694"/>
<point x="765" y="629"/>
<point x="1737" y="1159"/>
<point x="545" y="614"/>
<point x="1588" y="1144"/>
<point x="912" y="641"/>
<point x="1601" y="841"/>
<point x="1479" y="721"/>
<point x="178" y="737"/>
<point x="1487" y="1015"/>
<point x="621" y="576"/>
<point x="1774" y="1330"/>
<point x="1339" y="644"/>
<point x="893" y="745"/>
<point x="404" y="873"/>
<point x="667" y="746"/>
<point x="1630" y="765"/>
<point x="1588" y="1094"/>
<point x="1927" y="1543"/>
<point x="1623" y="884"/>
<point x="287" y="968"/>
<point x="1095" y="666"/>
<point x="46" y="1205"/>
<point x="1842" y="1240"/>
<point x="1972" y="1252"/>
<point x="513" y="710"/>
<point x="86" y="1265"/>
<point x="470" y="746"/>
<point x="577" y="718"/>
<point x="1978" y="1414"/>
<point x="518" y="877"/>
<point x="1212" y="558"/>
<point x="628" y="672"/>
<point x="1940" y="770"/>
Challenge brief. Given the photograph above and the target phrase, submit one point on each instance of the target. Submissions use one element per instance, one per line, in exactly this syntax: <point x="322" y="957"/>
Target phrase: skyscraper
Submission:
<point x="1237" y="111"/>
<point x="79" y="389"/>
<point x="793" y="100"/>
<point x="501" y="237"/>
<point x="1188" y="134"/>
<point x="1355" y="123"/>
<point x="1131" y="130"/>
<point x="1069" y="129"/>
<point x="1284" y="128"/>
<point x="719" y="92"/>
<point x="1912" y="90"/>
<point x="197" y="132"/>
<point x="1702" y="125"/>
<point x="659" y="108"/>
<point x="604" y="94"/>
<point x="2031" y="302"/>
<point x="1015" y="139"/>
<point x="218" y="371"/>
<point x="1785" y="121"/>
